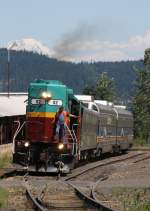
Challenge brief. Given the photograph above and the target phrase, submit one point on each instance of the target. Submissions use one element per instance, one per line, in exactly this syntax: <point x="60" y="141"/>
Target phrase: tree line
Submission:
<point x="127" y="82"/>
<point x="30" y="66"/>
<point x="140" y="103"/>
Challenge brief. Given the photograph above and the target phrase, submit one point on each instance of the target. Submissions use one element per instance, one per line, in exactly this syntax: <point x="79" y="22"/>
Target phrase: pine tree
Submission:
<point x="141" y="102"/>
<point x="89" y="90"/>
<point x="105" y="88"/>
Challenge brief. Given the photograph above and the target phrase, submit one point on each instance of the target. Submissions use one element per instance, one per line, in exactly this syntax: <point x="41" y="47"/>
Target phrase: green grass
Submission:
<point x="141" y="207"/>
<point x="5" y="161"/>
<point x="139" y="143"/>
<point x="3" y="197"/>
<point x="133" y="199"/>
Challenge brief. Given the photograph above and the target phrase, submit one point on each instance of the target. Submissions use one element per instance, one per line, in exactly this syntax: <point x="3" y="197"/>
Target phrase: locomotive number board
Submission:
<point x="42" y="102"/>
<point x="55" y="102"/>
<point x="38" y="101"/>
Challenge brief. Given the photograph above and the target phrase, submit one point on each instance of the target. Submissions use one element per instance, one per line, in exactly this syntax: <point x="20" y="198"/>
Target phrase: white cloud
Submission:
<point x="97" y="50"/>
<point x="80" y="48"/>
<point x="30" y="44"/>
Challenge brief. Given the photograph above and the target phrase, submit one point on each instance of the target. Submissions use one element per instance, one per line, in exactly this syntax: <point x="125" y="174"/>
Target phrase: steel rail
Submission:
<point x="7" y="172"/>
<point x="145" y="158"/>
<point x="140" y="149"/>
<point x="29" y="195"/>
<point x="93" y="194"/>
<point x="34" y="201"/>
<point x="91" y="201"/>
<point x="101" y="165"/>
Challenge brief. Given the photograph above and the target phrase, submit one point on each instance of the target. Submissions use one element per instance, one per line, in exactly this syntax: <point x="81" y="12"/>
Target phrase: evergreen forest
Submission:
<point x="27" y="66"/>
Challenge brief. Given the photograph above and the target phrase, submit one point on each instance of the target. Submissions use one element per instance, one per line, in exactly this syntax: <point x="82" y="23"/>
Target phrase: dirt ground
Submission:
<point x="126" y="188"/>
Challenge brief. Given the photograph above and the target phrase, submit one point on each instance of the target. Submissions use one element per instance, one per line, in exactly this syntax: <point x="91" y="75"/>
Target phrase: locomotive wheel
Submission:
<point x="89" y="156"/>
<point x="85" y="156"/>
<point x="74" y="163"/>
<point x="15" y="158"/>
<point x="100" y="154"/>
<point x="116" y="150"/>
<point x="124" y="151"/>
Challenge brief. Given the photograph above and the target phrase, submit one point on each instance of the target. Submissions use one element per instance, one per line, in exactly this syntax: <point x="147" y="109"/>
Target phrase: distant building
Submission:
<point x="12" y="109"/>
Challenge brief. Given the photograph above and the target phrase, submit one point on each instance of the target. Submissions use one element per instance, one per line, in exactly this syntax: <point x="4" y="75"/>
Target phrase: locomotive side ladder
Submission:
<point x="70" y="135"/>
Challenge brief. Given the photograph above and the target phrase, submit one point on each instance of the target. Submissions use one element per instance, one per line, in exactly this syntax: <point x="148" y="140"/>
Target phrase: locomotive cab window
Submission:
<point x="94" y="108"/>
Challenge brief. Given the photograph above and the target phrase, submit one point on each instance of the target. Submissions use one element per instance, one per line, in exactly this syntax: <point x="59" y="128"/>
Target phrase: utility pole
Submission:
<point x="8" y="67"/>
<point x="8" y="72"/>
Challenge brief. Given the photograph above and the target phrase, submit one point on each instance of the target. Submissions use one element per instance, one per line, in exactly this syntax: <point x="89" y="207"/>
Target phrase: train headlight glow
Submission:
<point x="49" y="95"/>
<point x="60" y="146"/>
<point x="26" y="144"/>
<point x="46" y="95"/>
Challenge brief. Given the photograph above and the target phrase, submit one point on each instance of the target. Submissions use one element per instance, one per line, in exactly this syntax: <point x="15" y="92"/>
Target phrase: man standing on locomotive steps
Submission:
<point x="61" y="119"/>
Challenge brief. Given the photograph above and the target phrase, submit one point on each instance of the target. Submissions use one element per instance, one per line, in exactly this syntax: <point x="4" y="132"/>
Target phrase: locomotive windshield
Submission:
<point x="47" y="97"/>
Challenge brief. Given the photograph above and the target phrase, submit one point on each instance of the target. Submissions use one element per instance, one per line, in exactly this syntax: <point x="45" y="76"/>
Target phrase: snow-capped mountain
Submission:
<point x="30" y="44"/>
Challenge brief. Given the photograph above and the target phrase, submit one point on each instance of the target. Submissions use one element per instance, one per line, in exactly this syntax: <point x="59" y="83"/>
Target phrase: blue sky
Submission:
<point x="101" y="29"/>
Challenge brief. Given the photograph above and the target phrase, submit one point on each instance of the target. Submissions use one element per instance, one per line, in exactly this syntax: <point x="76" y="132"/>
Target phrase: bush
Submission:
<point x="3" y="197"/>
<point x="5" y="161"/>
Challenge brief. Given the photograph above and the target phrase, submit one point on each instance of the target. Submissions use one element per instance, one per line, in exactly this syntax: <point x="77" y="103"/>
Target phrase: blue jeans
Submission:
<point x="60" y="131"/>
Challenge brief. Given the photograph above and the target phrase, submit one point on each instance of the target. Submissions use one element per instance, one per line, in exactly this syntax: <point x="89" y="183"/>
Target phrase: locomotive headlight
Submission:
<point x="49" y="95"/>
<point x="60" y="146"/>
<point x="26" y="144"/>
<point x="46" y="95"/>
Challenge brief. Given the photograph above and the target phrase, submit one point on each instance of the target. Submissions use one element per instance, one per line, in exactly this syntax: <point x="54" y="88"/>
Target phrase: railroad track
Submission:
<point x="103" y="163"/>
<point x="75" y="198"/>
<point x="34" y="202"/>
<point x="140" y="149"/>
<point x="144" y="158"/>
<point x="104" y="204"/>
<point x="30" y="196"/>
<point x="71" y="200"/>
<point x="7" y="172"/>
<point x="104" y="200"/>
